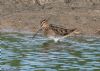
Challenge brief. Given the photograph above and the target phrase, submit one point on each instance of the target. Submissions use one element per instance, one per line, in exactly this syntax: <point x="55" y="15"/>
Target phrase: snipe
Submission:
<point x="54" y="32"/>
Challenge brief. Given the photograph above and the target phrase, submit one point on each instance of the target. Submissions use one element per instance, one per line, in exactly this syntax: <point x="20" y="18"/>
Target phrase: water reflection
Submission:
<point x="21" y="53"/>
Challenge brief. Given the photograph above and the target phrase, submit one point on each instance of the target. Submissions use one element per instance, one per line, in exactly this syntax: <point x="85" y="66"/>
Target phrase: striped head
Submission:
<point x="44" y="23"/>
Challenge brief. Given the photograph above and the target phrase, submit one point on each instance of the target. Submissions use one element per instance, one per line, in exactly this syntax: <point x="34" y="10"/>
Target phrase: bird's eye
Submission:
<point x="42" y="23"/>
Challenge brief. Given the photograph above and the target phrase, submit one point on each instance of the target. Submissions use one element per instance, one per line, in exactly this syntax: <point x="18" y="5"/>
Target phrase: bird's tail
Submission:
<point x="71" y="32"/>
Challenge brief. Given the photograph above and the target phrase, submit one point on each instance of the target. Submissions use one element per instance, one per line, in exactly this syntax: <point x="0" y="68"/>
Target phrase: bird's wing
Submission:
<point x="60" y="30"/>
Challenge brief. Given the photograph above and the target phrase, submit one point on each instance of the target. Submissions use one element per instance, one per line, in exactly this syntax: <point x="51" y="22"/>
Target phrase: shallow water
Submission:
<point x="19" y="52"/>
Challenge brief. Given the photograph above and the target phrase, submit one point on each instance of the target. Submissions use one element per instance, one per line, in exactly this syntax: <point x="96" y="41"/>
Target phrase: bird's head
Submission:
<point x="44" y="23"/>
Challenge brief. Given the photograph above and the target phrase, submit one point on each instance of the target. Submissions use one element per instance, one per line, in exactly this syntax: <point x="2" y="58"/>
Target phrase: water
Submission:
<point x="19" y="52"/>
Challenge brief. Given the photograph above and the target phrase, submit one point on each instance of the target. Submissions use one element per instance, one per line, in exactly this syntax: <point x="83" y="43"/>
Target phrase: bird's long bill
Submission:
<point x="37" y="32"/>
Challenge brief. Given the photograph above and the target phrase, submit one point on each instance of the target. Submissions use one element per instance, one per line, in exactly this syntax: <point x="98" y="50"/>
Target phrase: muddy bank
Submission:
<point x="85" y="16"/>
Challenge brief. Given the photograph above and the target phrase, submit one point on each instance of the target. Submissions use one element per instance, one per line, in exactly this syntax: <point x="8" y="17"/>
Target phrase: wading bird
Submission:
<point x="54" y="32"/>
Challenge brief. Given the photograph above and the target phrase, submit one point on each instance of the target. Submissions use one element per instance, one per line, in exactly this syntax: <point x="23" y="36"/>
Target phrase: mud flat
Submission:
<point x="26" y="17"/>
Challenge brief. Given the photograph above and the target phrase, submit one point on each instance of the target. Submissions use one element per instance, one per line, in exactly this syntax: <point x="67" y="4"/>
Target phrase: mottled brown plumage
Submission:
<point x="53" y="30"/>
<point x="61" y="31"/>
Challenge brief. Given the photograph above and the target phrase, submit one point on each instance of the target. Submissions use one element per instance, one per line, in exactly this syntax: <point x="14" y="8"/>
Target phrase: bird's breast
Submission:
<point x="48" y="32"/>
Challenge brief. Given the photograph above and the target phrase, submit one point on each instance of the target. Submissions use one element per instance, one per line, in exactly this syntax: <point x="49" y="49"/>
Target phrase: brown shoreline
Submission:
<point x="85" y="19"/>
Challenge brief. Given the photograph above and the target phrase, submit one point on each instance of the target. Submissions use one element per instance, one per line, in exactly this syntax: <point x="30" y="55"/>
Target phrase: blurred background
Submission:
<point x="25" y="15"/>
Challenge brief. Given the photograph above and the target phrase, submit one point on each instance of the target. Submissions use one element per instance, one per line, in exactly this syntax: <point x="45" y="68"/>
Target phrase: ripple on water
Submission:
<point x="22" y="53"/>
